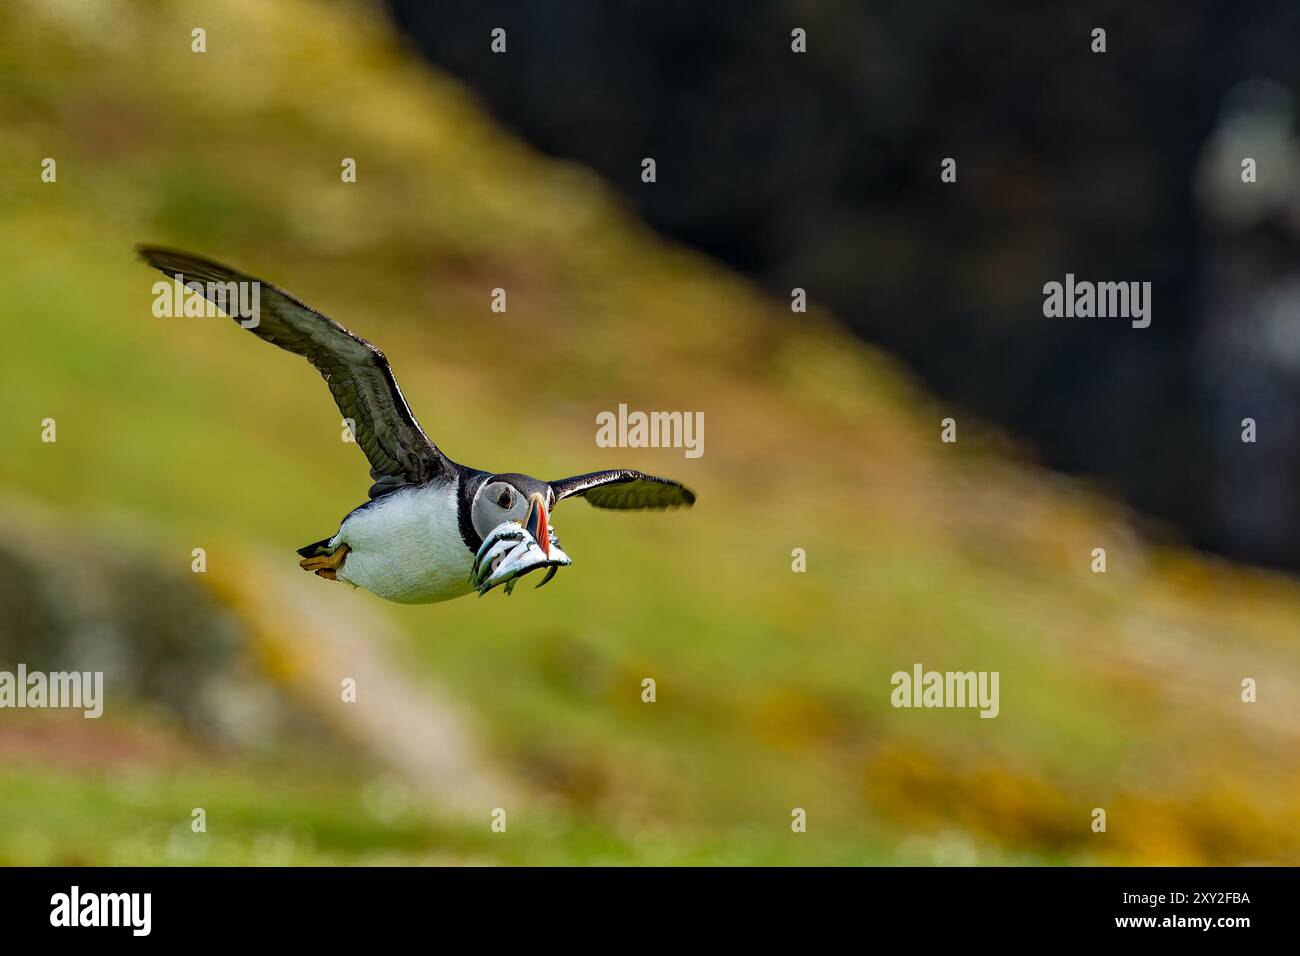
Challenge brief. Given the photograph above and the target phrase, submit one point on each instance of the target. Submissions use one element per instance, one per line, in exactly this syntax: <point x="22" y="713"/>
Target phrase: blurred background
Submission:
<point x="1119" y="690"/>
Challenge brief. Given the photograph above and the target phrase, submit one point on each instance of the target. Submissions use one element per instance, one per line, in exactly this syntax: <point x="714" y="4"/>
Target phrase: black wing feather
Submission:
<point x="356" y="372"/>
<point x="625" y="489"/>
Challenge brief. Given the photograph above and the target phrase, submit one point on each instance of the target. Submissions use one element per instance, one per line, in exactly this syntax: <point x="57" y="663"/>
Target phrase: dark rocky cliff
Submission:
<point x="821" y="171"/>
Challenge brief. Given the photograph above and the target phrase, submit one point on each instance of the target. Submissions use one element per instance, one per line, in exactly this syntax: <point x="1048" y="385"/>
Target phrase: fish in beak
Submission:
<point x="513" y="550"/>
<point x="537" y="523"/>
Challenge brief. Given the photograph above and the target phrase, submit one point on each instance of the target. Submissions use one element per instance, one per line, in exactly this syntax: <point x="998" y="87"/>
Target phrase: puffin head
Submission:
<point x="514" y="497"/>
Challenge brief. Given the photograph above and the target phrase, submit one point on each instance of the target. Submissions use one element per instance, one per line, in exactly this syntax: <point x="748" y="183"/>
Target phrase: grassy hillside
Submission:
<point x="1119" y="690"/>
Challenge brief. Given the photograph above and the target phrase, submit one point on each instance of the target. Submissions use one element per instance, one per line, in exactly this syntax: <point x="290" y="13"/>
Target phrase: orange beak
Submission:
<point x="537" y="524"/>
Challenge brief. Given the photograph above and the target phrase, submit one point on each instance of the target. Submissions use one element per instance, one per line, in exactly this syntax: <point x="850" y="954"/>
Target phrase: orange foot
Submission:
<point x="326" y="565"/>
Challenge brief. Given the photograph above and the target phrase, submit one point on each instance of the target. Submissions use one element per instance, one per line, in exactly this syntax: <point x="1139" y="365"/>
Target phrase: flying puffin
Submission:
<point x="432" y="529"/>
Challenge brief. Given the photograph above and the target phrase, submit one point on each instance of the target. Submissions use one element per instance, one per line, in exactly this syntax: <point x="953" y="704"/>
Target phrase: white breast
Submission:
<point x="406" y="546"/>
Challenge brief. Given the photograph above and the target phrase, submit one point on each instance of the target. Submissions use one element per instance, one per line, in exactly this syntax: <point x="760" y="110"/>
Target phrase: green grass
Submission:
<point x="145" y="817"/>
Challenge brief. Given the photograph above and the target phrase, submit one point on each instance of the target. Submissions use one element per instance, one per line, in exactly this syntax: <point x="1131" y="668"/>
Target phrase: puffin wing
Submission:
<point x="356" y="372"/>
<point x="625" y="489"/>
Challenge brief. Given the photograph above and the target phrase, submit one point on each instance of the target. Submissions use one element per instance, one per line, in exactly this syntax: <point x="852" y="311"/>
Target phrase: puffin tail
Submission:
<point x="317" y="548"/>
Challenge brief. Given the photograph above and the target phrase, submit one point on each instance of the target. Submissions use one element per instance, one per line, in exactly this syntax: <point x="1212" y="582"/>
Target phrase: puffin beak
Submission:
<point x="536" y="523"/>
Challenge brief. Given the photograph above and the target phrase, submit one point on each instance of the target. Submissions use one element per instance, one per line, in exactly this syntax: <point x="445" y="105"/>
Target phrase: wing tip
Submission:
<point x="687" y="496"/>
<point x="149" y="253"/>
<point x="172" y="261"/>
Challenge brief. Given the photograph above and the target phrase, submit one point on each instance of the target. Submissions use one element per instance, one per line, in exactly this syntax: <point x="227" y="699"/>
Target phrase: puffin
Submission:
<point x="431" y="529"/>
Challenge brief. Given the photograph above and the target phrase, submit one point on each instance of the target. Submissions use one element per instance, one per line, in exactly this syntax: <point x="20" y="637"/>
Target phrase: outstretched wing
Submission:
<point x="625" y="489"/>
<point x="356" y="372"/>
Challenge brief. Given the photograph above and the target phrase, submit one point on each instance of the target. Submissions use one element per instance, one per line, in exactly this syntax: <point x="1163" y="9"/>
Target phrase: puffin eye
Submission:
<point x="505" y="500"/>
